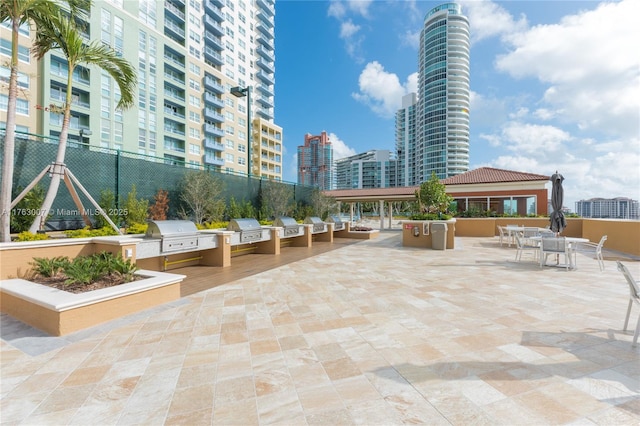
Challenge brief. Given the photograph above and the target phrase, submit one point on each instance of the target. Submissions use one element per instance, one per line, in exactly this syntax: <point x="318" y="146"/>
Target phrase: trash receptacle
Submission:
<point x="439" y="236"/>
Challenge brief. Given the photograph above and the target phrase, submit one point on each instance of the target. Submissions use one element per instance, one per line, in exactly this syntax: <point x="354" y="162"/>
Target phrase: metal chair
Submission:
<point x="634" y="297"/>
<point x="523" y="244"/>
<point x="504" y="234"/>
<point x="555" y="246"/>
<point x="597" y="248"/>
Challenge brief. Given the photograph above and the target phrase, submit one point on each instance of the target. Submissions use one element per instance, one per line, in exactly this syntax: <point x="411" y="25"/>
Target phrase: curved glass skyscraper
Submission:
<point x="442" y="113"/>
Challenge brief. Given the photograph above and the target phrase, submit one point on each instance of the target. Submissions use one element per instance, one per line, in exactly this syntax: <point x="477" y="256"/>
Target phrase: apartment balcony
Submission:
<point x="213" y="160"/>
<point x="266" y="90"/>
<point x="266" y="65"/>
<point x="266" y="41"/>
<point x="265" y="77"/>
<point x="265" y="53"/>
<point x="212" y="144"/>
<point x="173" y="30"/>
<point x="213" y="115"/>
<point x="213" y="26"/>
<point x="212" y="84"/>
<point x="212" y="41"/>
<point x="175" y="96"/>
<point x="213" y="10"/>
<point x="218" y="3"/>
<point x="266" y="6"/>
<point x="172" y="9"/>
<point x="176" y="112"/>
<point x="268" y="32"/>
<point x="213" y="130"/>
<point x="266" y="113"/>
<point x="213" y="56"/>
<point x="265" y="18"/>
<point x="266" y="101"/>
<point x="213" y="100"/>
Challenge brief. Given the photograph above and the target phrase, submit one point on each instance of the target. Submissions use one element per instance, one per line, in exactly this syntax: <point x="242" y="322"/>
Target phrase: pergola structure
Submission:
<point x="503" y="191"/>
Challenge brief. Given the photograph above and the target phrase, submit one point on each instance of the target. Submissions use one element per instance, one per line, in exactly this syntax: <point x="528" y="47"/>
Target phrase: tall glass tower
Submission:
<point x="442" y="113"/>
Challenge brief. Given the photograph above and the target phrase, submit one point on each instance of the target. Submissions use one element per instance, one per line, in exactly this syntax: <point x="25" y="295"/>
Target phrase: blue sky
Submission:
<point x="555" y="84"/>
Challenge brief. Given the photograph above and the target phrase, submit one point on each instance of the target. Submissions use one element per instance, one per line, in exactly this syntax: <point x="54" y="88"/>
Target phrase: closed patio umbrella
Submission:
<point x="558" y="222"/>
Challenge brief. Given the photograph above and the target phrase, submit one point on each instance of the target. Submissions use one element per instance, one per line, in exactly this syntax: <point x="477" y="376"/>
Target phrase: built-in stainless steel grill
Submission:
<point x="175" y="235"/>
<point x="289" y="225"/>
<point x="318" y="224"/>
<point x="249" y="229"/>
<point x="338" y="223"/>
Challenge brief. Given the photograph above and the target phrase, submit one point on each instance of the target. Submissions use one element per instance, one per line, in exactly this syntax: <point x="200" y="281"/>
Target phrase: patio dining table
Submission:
<point x="573" y="244"/>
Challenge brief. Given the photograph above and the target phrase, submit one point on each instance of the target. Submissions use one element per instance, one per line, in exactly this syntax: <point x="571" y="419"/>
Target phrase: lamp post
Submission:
<point x="241" y="92"/>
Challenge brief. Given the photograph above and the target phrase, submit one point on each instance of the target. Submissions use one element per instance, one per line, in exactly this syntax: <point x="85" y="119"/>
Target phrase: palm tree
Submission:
<point x="19" y="12"/>
<point x="60" y="32"/>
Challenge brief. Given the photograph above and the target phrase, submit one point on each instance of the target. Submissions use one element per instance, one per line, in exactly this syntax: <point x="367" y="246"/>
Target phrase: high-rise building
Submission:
<point x="315" y="162"/>
<point x="613" y="208"/>
<point x="187" y="56"/>
<point x="441" y="142"/>
<point x="406" y="140"/>
<point x="371" y="169"/>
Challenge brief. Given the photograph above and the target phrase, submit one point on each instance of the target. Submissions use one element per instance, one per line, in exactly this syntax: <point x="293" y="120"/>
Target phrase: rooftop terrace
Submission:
<point x="362" y="332"/>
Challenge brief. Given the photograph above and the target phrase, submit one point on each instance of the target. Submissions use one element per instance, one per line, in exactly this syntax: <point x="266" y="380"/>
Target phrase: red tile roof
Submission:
<point x="481" y="175"/>
<point x="491" y="175"/>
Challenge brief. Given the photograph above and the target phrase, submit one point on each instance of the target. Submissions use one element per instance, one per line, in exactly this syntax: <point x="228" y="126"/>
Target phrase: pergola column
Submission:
<point x="381" y="209"/>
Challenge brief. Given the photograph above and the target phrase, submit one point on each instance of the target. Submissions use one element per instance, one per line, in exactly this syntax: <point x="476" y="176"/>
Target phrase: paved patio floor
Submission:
<point x="370" y="333"/>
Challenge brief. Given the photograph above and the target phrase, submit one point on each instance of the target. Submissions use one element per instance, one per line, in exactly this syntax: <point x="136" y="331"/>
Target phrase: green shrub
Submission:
<point x="28" y="236"/>
<point x="86" y="269"/>
<point x="137" y="228"/>
<point x="25" y="212"/>
<point x="429" y="216"/>
<point x="213" y="225"/>
<point x="49" y="267"/>
<point x="86" y="232"/>
<point x="108" y="204"/>
<point x="136" y="209"/>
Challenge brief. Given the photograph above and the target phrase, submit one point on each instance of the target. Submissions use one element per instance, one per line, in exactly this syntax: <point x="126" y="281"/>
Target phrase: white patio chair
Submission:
<point x="634" y="297"/>
<point x="531" y="232"/>
<point x="597" y="249"/>
<point x="503" y="234"/>
<point x="525" y="244"/>
<point x="555" y="246"/>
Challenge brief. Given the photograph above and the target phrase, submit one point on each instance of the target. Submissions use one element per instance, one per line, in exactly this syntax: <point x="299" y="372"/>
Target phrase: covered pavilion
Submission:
<point x="486" y="188"/>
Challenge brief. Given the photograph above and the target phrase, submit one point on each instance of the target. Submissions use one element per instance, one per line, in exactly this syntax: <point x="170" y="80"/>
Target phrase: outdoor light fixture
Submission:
<point x="83" y="133"/>
<point x="241" y="92"/>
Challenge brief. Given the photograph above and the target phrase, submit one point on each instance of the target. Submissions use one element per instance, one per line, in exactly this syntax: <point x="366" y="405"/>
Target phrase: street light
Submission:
<point x="241" y="92"/>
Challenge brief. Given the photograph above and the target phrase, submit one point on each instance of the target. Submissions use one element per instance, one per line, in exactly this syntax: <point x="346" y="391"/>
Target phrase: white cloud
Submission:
<point x="525" y="138"/>
<point x="336" y="9"/>
<point x="586" y="59"/>
<point x="488" y="19"/>
<point x="340" y="148"/>
<point x="349" y="31"/>
<point x="382" y="91"/>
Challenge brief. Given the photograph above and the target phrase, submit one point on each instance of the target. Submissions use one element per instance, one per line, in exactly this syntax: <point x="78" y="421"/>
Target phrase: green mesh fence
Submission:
<point x="99" y="169"/>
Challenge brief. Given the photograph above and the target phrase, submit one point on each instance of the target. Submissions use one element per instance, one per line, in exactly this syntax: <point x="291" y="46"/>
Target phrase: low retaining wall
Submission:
<point x="59" y="312"/>
<point x="622" y="235"/>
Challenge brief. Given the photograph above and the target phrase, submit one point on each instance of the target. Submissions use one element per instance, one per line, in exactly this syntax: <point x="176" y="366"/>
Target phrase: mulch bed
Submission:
<point x="58" y="282"/>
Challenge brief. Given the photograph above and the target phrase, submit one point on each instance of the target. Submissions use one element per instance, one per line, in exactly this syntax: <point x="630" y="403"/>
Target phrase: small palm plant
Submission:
<point x="58" y="31"/>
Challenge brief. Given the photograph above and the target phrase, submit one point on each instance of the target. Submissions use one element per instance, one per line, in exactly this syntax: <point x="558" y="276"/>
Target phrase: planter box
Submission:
<point x="59" y="312"/>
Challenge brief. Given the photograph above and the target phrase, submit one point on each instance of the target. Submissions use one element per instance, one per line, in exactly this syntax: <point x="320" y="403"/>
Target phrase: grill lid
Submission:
<point x="334" y="219"/>
<point x="285" y="221"/>
<point x="313" y="220"/>
<point x="245" y="224"/>
<point x="164" y="228"/>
